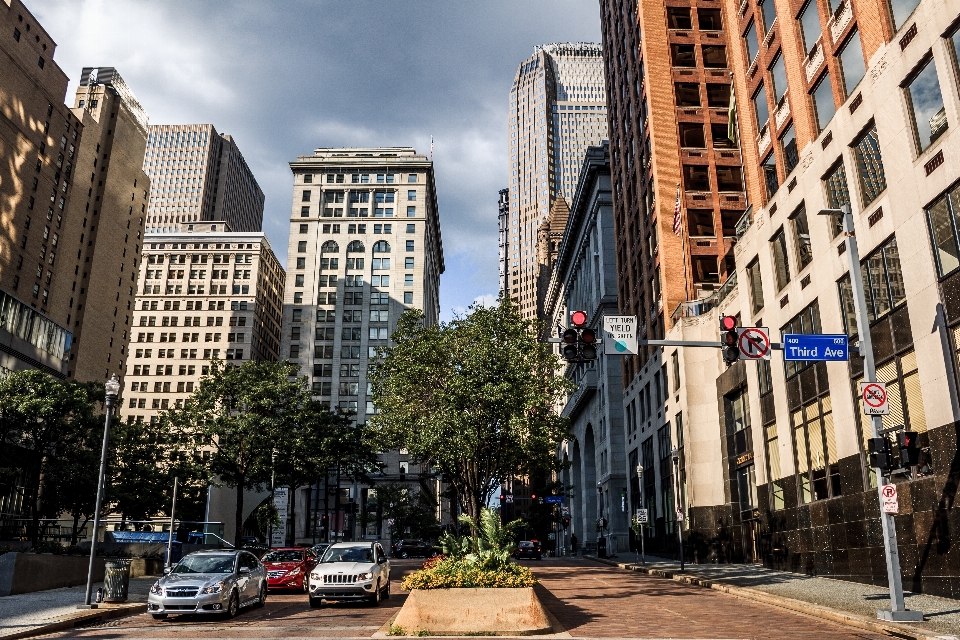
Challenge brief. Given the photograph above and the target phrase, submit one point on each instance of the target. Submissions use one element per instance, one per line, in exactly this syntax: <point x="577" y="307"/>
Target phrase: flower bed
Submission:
<point x="450" y="573"/>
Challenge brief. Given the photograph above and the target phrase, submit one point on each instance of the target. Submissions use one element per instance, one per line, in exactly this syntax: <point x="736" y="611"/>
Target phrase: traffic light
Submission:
<point x="566" y="522"/>
<point x="909" y="449"/>
<point x="579" y="341"/>
<point x="730" y="339"/>
<point x="881" y="455"/>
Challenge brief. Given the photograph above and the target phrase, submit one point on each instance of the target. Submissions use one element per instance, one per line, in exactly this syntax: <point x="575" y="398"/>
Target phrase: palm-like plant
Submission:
<point x="490" y="546"/>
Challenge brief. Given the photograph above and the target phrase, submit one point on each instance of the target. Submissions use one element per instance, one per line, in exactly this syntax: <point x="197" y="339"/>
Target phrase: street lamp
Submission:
<point x="643" y="552"/>
<point x="676" y="472"/>
<point x="112" y="387"/>
<point x="898" y="611"/>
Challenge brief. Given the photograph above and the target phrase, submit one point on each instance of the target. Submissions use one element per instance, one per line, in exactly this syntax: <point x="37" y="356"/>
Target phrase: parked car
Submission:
<point x="351" y="571"/>
<point x="528" y="549"/>
<point x="413" y="548"/>
<point x="210" y="582"/>
<point x="289" y="568"/>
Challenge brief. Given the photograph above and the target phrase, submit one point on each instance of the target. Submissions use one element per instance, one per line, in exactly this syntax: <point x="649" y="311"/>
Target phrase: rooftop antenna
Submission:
<point x="431" y="148"/>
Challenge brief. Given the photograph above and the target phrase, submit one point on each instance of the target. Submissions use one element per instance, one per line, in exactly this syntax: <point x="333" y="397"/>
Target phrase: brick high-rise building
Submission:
<point x="669" y="95"/>
<point x="557" y="111"/>
<point x="38" y="143"/>
<point x="199" y="175"/>
<point x="108" y="220"/>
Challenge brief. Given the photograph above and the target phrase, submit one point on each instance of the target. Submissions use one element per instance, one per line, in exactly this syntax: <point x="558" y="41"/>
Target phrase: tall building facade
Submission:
<point x="503" y="229"/>
<point x="364" y="247"/>
<point x="557" y="110"/>
<point x="109" y="222"/>
<point x="39" y="136"/>
<point x="199" y="175"/>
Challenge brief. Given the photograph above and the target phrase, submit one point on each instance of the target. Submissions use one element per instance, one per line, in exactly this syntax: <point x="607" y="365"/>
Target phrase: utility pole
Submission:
<point x="173" y="509"/>
<point x="898" y="611"/>
<point x="679" y="518"/>
<point x="643" y="554"/>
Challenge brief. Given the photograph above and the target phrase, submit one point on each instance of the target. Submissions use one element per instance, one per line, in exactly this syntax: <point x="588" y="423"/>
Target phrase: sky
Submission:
<point x="288" y="76"/>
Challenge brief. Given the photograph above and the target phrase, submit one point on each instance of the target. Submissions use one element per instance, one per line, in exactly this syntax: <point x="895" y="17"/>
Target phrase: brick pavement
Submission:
<point x="602" y="602"/>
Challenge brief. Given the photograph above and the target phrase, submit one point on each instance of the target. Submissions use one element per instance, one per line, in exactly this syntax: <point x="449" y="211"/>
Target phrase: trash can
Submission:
<point x="602" y="547"/>
<point x="176" y="553"/>
<point x="116" y="580"/>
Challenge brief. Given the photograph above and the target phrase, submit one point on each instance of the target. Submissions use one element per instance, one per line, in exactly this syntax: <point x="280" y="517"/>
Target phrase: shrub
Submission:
<point x="451" y="573"/>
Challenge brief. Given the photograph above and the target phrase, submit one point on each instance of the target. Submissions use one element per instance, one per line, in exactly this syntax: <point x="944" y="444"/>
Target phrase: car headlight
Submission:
<point x="314" y="576"/>
<point x="365" y="576"/>
<point x="156" y="589"/>
<point x="213" y="588"/>
<point x="293" y="572"/>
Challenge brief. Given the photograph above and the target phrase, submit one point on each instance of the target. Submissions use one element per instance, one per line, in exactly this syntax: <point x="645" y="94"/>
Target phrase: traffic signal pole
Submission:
<point x="898" y="611"/>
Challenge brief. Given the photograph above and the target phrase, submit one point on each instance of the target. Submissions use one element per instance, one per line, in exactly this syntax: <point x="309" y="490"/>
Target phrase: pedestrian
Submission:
<point x="573" y="543"/>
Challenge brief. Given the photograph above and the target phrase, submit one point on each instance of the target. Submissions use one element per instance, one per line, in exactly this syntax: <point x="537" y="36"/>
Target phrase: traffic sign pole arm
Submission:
<point x="876" y="422"/>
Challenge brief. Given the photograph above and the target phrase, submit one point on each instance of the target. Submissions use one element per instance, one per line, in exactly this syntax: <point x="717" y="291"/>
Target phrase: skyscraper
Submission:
<point x="557" y="111"/>
<point x="199" y="175"/>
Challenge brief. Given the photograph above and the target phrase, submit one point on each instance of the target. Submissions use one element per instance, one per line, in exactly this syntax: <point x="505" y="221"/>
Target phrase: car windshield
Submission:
<point x="205" y="564"/>
<point x="283" y="556"/>
<point x="348" y="554"/>
<point x="526" y="545"/>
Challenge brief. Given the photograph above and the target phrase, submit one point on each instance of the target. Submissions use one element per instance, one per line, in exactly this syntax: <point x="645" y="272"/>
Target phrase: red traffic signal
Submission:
<point x="728" y="323"/>
<point x="570" y="336"/>
<point x="578" y="318"/>
<point x="588" y="336"/>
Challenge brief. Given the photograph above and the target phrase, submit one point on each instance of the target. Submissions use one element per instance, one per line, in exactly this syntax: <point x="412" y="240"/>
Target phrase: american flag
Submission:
<point x="677" y="223"/>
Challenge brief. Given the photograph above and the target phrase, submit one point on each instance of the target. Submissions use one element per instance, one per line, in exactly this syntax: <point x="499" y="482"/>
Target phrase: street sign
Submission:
<point x="565" y="510"/>
<point x="620" y="335"/>
<point x="754" y="343"/>
<point x="679" y="515"/>
<point x="807" y="347"/>
<point x="390" y="521"/>
<point x="874" y="396"/>
<point x="508" y="498"/>
<point x="281" y="500"/>
<point x="642" y="516"/>
<point x="553" y="499"/>
<point x="888" y="494"/>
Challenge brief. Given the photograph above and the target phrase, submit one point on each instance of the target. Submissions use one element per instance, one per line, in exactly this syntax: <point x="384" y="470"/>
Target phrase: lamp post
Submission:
<point x="643" y="553"/>
<point x="112" y="387"/>
<point x="898" y="611"/>
<point x="676" y="474"/>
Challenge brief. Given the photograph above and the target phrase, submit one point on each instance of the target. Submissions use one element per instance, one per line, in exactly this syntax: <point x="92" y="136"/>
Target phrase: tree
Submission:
<point x="474" y="397"/>
<point x="242" y="414"/>
<point x="38" y="417"/>
<point x="409" y="507"/>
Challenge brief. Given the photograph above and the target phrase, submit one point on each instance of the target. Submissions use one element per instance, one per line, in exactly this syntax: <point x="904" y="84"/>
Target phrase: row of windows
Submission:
<point x="331" y="246"/>
<point x="357" y="212"/>
<point x="191" y="321"/>
<point x="346" y="333"/>
<point x="199" y="290"/>
<point x="361" y="178"/>
<point x="217" y="258"/>
<point x="381" y="197"/>
<point x="190" y="337"/>
<point x="353" y="280"/>
<point x="194" y="274"/>
<point x="191" y="305"/>
<point x="349" y="352"/>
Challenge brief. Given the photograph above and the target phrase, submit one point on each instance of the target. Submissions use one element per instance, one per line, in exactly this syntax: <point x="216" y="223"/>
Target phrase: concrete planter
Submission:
<point x="29" y="572"/>
<point x="473" y="611"/>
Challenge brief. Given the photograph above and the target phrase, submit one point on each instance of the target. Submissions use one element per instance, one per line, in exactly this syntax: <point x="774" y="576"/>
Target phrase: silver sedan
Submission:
<point x="210" y="582"/>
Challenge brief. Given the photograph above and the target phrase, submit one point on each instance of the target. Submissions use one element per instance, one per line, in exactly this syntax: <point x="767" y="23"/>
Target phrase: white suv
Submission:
<point x="351" y="571"/>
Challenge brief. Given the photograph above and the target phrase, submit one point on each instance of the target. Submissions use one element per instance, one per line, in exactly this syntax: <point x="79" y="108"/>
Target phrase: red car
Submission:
<point x="289" y="568"/>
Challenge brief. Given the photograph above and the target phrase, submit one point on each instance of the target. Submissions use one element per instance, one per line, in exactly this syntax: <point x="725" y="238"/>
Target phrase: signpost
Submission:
<point x="875" y="401"/>
<point x="754" y="343"/>
<point x="620" y="335"/>
<point x="890" y="501"/>
<point x="642" y="516"/>
<point x="281" y="500"/>
<point x="815" y="347"/>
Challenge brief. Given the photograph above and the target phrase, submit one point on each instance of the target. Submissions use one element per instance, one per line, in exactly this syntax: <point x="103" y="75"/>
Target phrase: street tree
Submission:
<point x="474" y="398"/>
<point x="241" y="415"/>
<point x="409" y="507"/>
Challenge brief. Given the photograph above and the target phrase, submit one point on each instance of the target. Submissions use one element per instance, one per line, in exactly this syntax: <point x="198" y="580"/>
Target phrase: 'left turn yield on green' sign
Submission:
<point x="620" y="335"/>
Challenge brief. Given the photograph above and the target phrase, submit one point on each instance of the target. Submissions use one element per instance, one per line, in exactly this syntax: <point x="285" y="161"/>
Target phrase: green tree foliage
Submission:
<point x="242" y="415"/>
<point x="473" y="397"/>
<point x="410" y="507"/>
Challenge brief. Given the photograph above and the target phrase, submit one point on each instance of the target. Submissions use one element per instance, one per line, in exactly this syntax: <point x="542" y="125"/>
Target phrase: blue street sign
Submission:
<point x="553" y="499"/>
<point x="815" y="347"/>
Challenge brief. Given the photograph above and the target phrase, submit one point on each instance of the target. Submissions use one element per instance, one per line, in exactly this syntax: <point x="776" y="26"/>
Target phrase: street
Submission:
<point x="589" y="600"/>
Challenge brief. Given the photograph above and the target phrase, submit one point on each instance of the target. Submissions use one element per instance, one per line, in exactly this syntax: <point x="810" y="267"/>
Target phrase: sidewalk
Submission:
<point x="31" y="614"/>
<point x="941" y="615"/>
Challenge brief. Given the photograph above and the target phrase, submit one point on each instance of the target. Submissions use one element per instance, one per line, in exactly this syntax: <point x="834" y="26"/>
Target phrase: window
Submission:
<point x="838" y="195"/>
<point x="408" y="263"/>
<point x="410" y="246"/>
<point x="304" y="212"/>
<point x="801" y="233"/>
<point x="298" y="280"/>
<point x="873" y="181"/>
<point x="807" y="321"/>
<point x="954" y="44"/>
<point x="729" y="178"/>
<point x="679" y="18"/>
<point x="307" y="178"/>
<point x="411" y="228"/>
<point x="778" y="74"/>
<point x="750" y="41"/>
<point x="815" y="448"/>
<point x="688" y="94"/>
<point x="720" y="133"/>
<point x="709" y="19"/>
<point x="718" y="95"/>
<point x="330" y="247"/>
<point x="355" y="247"/>
<point x="412" y="177"/>
<point x="769" y="11"/>
<point x="780" y="263"/>
<point x="700" y="222"/>
<point x="823" y="103"/>
<point x="691" y="135"/>
<point x="810" y="25"/>
<point x="302" y="246"/>
<point x="411" y="195"/>
<point x="901" y="10"/>
<point x="755" y="283"/>
<point x="682" y="55"/>
<point x="381" y="247"/>
<point x="882" y="286"/>
<point x="696" y="177"/>
<point x="770" y="179"/>
<point x="943" y="217"/>
<point x="408" y="297"/>
<point x="852" y="67"/>
<point x="714" y="57"/>
<point x="772" y="450"/>
<point x="760" y="106"/>
<point x="411" y="212"/>
<point x="305" y="196"/>
<point x="705" y="270"/>
<point x="303" y="228"/>
<point x="16" y="37"/>
<point x="926" y="106"/>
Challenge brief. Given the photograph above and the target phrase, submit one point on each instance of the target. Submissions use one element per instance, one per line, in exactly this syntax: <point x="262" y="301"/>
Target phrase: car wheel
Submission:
<point x="375" y="598"/>
<point x="159" y="616"/>
<point x="404" y="554"/>
<point x="386" y="590"/>
<point x="262" y="600"/>
<point x="306" y="584"/>
<point x="234" y="605"/>
<point x="316" y="603"/>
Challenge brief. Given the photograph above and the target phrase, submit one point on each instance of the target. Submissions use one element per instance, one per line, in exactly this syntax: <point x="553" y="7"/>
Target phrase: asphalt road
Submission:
<point x="589" y="600"/>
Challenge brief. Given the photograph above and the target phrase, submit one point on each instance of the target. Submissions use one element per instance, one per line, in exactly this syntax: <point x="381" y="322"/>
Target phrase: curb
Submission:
<point x="80" y="618"/>
<point x="799" y="606"/>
